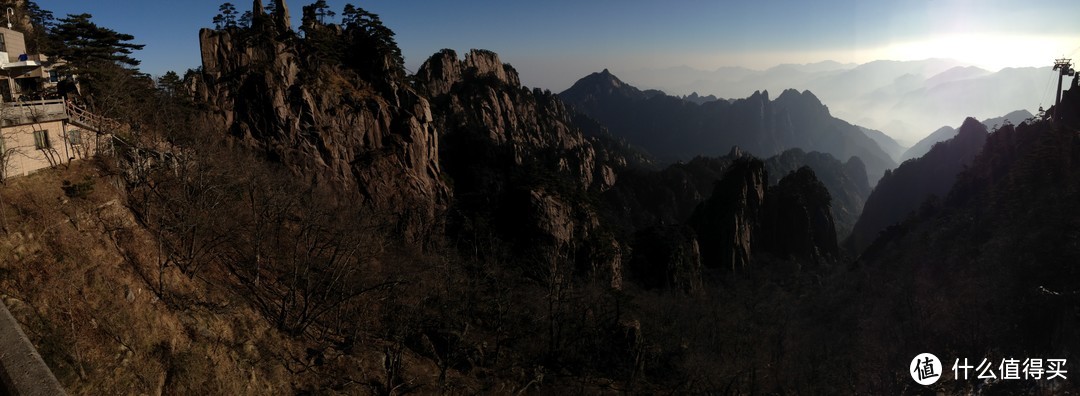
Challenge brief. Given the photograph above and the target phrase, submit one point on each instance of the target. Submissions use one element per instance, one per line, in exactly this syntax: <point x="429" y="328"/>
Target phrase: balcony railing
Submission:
<point x="33" y="111"/>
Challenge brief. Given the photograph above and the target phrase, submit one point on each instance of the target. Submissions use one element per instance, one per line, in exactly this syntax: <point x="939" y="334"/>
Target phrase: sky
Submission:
<point x="553" y="43"/>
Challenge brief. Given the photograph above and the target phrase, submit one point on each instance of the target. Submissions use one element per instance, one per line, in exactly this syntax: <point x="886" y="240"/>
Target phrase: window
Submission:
<point x="41" y="140"/>
<point x="3" y="44"/>
<point x="75" y="137"/>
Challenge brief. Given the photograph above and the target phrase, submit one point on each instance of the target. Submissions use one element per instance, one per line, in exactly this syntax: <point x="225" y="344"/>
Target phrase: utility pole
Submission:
<point x="1064" y="68"/>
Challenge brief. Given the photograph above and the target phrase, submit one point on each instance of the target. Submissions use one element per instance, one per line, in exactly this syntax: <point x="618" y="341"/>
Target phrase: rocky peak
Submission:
<point x="520" y="156"/>
<point x="802" y="104"/>
<point x="798" y="221"/>
<point x="737" y="152"/>
<point x="281" y="16"/>
<point x="603" y="84"/>
<point x="855" y="167"/>
<point x="443" y="69"/>
<point x="759" y="96"/>
<point x="971" y="129"/>
<point x="487" y="63"/>
<point x="726" y="223"/>
<point x="744" y="218"/>
<point x="805" y="98"/>
<point x="376" y="145"/>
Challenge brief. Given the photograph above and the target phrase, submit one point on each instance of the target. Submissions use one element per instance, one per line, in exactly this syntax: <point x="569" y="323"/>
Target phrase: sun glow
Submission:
<point x="989" y="51"/>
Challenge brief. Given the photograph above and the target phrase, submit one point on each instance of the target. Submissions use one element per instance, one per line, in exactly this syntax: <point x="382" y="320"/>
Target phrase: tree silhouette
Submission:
<point x="226" y="18"/>
<point x="368" y="34"/>
<point x="170" y="83"/>
<point x="322" y="11"/>
<point x="245" y="20"/>
<point x="82" y="43"/>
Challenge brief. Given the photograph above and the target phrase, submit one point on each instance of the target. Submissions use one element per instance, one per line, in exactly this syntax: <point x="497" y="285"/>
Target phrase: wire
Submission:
<point x="1051" y="81"/>
<point x="1046" y="91"/>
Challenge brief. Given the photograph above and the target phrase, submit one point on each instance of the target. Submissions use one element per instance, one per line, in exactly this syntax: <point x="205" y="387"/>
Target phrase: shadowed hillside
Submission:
<point x="904" y="189"/>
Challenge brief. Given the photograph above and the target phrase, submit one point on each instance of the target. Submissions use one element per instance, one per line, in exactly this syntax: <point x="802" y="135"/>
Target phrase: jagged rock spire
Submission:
<point x="281" y="15"/>
<point x="257" y="8"/>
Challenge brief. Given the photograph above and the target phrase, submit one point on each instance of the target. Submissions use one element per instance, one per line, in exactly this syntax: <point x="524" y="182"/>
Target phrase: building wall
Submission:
<point x="20" y="156"/>
<point x="15" y="42"/>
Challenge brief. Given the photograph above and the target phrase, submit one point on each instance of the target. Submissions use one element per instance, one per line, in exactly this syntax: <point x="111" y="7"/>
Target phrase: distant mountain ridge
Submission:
<point x="904" y="99"/>
<point x="675" y="129"/>
<point x="947" y="132"/>
<point x="892" y="147"/>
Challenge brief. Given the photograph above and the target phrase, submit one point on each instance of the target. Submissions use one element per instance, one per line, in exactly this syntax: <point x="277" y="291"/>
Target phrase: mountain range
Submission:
<point x="946" y="132"/>
<point x="674" y="129"/>
<point x="904" y="99"/>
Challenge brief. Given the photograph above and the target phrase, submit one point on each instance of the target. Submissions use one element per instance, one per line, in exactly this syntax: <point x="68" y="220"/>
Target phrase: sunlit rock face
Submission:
<point x="373" y="139"/>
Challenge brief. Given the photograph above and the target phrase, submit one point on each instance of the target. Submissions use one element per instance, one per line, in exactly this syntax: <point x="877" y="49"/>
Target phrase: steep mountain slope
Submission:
<point x="890" y="146"/>
<point x="946" y="132"/>
<point x="923" y="146"/>
<point x="672" y="128"/>
<point x="902" y="190"/>
<point x="999" y="253"/>
<point x="518" y="161"/>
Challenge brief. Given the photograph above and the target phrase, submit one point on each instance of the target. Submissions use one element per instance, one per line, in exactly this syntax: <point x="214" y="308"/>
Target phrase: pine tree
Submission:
<point x="82" y="43"/>
<point x="226" y="18"/>
<point x="101" y="58"/>
<point x="322" y="11"/>
<point x="245" y="20"/>
<point x="370" y="35"/>
<point x="170" y="83"/>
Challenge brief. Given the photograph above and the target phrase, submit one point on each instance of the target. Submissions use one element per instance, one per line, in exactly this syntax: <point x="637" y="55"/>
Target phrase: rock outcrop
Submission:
<point x="521" y="166"/>
<point x="728" y="221"/>
<point x="373" y="140"/>
<point x="444" y="69"/>
<point x="846" y="182"/>
<point x="745" y="219"/>
<point x="797" y="219"/>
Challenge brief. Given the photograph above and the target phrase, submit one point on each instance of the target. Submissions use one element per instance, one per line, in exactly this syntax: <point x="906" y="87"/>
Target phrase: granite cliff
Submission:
<point x="370" y="138"/>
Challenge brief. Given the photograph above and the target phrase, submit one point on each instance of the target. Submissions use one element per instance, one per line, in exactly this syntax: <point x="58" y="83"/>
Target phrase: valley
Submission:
<point x="304" y="214"/>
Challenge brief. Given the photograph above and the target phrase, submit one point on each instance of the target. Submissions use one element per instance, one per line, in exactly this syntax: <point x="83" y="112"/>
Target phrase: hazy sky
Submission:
<point x="553" y="43"/>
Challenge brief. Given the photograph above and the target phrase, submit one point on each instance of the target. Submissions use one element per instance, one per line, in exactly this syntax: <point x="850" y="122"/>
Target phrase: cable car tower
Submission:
<point x="1064" y="68"/>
